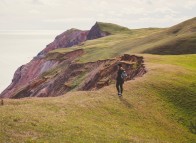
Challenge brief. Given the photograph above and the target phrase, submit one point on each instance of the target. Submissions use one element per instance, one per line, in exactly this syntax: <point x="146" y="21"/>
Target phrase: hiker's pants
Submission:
<point x="119" y="86"/>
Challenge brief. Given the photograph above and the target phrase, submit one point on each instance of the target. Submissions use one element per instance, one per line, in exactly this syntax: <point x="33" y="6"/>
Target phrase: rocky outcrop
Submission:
<point x="96" y="32"/>
<point x="73" y="37"/>
<point x="67" y="39"/>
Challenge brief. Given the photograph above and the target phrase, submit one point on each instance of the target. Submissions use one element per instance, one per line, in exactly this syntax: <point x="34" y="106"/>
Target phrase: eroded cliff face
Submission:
<point x="96" y="32"/>
<point x="57" y="77"/>
<point x="26" y="73"/>
<point x="73" y="37"/>
<point x="67" y="39"/>
<point x="43" y="76"/>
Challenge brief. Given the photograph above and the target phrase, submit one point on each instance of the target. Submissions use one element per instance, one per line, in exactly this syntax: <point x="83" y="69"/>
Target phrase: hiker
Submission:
<point x="121" y="74"/>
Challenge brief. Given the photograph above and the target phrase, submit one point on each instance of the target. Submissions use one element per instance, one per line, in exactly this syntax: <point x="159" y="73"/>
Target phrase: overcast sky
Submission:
<point x="82" y="14"/>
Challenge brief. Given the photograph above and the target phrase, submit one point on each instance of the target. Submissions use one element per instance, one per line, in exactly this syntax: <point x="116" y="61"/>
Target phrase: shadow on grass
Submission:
<point x="125" y="102"/>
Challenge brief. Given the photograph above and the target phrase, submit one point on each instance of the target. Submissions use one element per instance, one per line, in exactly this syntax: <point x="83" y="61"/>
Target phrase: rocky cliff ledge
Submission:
<point x="54" y="77"/>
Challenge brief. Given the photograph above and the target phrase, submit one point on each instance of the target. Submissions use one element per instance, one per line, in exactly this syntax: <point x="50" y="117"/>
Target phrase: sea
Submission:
<point x="18" y="47"/>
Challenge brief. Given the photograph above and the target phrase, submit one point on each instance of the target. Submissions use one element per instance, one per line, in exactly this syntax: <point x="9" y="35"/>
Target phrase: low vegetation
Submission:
<point x="158" y="107"/>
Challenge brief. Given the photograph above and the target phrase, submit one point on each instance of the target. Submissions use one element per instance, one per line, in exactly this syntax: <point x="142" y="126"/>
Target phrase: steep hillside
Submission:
<point x="147" y="40"/>
<point x="188" y="26"/>
<point x="158" y="107"/>
<point x="66" y="39"/>
<point x="181" y="39"/>
<point x="178" y="39"/>
<point x="74" y="36"/>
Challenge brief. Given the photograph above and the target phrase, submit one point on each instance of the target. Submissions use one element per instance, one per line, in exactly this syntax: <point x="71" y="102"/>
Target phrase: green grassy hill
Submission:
<point x="147" y="40"/>
<point x="157" y="108"/>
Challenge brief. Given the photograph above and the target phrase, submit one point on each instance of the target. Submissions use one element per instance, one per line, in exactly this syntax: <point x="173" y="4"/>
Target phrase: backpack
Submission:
<point x="123" y="75"/>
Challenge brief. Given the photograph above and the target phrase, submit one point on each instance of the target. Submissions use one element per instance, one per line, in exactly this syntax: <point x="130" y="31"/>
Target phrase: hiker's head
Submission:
<point x="119" y="65"/>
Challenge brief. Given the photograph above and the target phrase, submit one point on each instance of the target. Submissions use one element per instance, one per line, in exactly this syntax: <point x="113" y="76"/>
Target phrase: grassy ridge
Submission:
<point x="179" y="39"/>
<point x="110" y="46"/>
<point x="155" y="108"/>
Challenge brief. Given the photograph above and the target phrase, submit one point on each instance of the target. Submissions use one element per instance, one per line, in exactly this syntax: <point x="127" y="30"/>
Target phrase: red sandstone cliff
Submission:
<point x="73" y="37"/>
<point x="68" y="38"/>
<point x="42" y="77"/>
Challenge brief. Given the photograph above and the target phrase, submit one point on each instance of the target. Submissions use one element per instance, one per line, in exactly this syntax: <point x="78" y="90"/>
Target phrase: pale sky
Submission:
<point x="82" y="14"/>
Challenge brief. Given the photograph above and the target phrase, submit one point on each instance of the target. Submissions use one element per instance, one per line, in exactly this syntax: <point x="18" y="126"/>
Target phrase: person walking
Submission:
<point x="120" y="80"/>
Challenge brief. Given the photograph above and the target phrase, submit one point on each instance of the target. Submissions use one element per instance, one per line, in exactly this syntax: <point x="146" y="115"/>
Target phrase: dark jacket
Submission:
<point x="119" y="78"/>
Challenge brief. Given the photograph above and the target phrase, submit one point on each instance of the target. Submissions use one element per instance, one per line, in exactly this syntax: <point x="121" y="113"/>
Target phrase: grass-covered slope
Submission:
<point x="176" y="40"/>
<point x="158" y="107"/>
<point x="109" y="46"/>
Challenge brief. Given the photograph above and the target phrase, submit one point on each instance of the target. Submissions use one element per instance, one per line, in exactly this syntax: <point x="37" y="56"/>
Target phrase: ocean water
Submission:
<point x="18" y="48"/>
